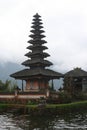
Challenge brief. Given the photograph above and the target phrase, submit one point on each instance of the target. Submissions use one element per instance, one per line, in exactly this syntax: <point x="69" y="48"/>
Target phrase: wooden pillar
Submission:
<point x="52" y="85"/>
<point x="22" y="86"/>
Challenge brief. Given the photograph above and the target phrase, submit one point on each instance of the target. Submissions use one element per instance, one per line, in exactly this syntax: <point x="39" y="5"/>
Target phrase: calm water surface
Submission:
<point x="24" y="122"/>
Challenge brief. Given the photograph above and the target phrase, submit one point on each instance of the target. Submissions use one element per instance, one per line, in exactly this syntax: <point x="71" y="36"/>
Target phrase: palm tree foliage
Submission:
<point x="7" y="86"/>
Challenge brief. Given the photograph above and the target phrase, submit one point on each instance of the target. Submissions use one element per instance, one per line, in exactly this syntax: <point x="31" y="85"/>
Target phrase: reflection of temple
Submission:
<point x="75" y="81"/>
<point x="37" y="76"/>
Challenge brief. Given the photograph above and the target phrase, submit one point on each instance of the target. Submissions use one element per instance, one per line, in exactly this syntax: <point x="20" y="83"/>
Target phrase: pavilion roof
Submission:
<point x="77" y="72"/>
<point x="28" y="73"/>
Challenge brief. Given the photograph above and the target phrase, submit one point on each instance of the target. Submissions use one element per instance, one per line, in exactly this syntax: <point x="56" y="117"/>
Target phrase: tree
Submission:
<point x="7" y="86"/>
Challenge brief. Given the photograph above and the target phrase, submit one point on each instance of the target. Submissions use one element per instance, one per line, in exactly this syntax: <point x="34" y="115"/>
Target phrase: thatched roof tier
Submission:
<point x="37" y="27"/>
<point x="37" y="31"/>
<point x="37" y="41"/>
<point x="37" y="20"/>
<point x="37" y="72"/>
<point x="38" y="35"/>
<point x="77" y="72"/>
<point x="37" y="53"/>
<point x="37" y="62"/>
<point x="37" y="47"/>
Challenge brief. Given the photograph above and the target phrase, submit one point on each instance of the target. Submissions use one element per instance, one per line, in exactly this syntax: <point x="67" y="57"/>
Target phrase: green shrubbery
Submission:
<point x="65" y="97"/>
<point x="79" y="96"/>
<point x="32" y="102"/>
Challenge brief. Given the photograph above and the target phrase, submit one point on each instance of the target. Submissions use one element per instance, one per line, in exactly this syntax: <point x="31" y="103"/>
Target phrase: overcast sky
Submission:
<point x="65" y="25"/>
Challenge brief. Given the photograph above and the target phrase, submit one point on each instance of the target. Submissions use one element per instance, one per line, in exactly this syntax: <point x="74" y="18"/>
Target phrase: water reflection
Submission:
<point x="7" y="123"/>
<point x="25" y="122"/>
<point x="65" y="122"/>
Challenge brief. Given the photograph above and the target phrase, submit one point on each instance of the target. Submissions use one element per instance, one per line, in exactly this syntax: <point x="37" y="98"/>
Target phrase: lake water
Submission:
<point x="9" y="121"/>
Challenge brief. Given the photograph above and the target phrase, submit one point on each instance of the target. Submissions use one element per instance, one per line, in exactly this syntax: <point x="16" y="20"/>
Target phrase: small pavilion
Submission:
<point x="75" y="81"/>
<point x="36" y="75"/>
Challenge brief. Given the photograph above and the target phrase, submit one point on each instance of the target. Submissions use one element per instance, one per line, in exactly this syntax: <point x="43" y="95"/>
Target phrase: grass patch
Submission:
<point x="50" y="108"/>
<point x="68" y="108"/>
<point x="81" y="103"/>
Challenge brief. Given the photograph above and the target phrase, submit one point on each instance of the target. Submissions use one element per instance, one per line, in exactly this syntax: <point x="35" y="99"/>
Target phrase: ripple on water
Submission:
<point x="24" y="122"/>
<point x="6" y="123"/>
<point x="77" y="123"/>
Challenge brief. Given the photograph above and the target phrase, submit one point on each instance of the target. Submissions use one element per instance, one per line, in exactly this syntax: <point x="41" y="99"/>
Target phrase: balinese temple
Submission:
<point x="36" y="75"/>
<point x="75" y="81"/>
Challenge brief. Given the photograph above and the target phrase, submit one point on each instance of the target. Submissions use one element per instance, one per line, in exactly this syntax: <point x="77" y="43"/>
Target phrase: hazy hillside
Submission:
<point x="8" y="68"/>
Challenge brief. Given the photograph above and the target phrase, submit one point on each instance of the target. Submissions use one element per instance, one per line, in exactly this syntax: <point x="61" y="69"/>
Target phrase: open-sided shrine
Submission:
<point x="75" y="81"/>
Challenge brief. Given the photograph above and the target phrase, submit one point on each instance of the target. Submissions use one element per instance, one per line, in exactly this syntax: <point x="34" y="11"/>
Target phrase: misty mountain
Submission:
<point x="8" y="68"/>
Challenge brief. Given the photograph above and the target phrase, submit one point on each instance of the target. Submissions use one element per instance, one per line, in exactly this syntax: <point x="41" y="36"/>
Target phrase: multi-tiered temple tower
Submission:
<point x="37" y="76"/>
